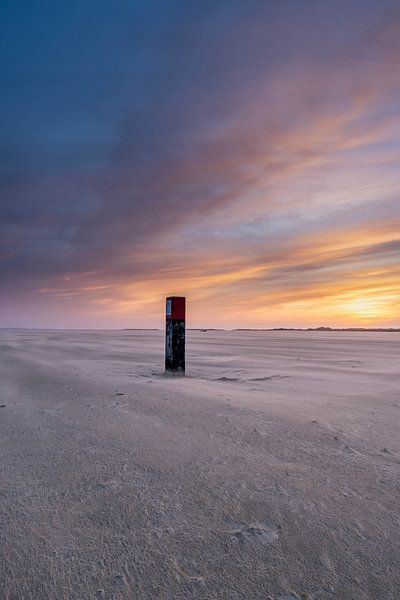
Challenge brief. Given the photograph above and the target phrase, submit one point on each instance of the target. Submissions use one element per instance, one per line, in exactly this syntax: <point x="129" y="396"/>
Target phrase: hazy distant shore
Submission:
<point x="270" y="471"/>
<point x="372" y="329"/>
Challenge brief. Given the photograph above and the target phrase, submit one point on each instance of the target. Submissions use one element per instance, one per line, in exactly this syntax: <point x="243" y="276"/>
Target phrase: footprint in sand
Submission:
<point x="262" y="533"/>
<point x="119" y="581"/>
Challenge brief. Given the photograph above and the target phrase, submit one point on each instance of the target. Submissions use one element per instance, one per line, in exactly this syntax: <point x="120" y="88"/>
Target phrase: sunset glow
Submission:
<point x="250" y="163"/>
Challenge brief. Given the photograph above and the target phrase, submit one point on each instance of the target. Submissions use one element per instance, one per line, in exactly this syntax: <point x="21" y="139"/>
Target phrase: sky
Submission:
<point x="244" y="154"/>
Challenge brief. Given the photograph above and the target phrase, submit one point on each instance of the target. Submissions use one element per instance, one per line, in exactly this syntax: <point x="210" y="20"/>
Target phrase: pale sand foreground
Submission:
<point x="272" y="469"/>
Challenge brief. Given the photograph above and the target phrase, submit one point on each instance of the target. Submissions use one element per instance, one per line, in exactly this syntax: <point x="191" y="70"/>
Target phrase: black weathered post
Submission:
<point x="175" y="335"/>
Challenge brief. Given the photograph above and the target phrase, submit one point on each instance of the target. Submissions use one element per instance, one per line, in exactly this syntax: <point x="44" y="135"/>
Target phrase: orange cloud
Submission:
<point x="343" y="276"/>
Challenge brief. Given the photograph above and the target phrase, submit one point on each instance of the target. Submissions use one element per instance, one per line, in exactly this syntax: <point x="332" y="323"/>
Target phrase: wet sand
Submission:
<point x="271" y="470"/>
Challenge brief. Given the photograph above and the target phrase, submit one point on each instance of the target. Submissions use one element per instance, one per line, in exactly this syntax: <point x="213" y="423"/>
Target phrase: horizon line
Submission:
<point x="205" y="329"/>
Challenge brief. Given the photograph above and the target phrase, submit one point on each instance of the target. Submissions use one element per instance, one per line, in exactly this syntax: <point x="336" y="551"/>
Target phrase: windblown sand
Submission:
<point x="271" y="470"/>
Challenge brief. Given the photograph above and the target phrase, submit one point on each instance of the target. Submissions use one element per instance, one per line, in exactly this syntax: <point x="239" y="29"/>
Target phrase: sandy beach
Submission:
<point x="270" y="471"/>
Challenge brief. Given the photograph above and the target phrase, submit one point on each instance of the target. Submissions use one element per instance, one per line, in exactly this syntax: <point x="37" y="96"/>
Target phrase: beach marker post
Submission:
<point x="175" y="317"/>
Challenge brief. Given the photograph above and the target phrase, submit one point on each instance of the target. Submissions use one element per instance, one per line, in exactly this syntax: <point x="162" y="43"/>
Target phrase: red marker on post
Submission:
<point x="175" y="316"/>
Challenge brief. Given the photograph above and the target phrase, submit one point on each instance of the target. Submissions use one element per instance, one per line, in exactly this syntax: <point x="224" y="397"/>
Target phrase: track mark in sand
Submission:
<point x="266" y="378"/>
<point x="269" y="377"/>
<point x="392" y="457"/>
<point x="182" y="573"/>
<point x="119" y="581"/>
<point x="263" y="533"/>
<point x="352" y="451"/>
